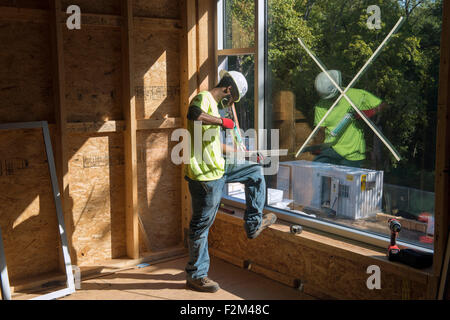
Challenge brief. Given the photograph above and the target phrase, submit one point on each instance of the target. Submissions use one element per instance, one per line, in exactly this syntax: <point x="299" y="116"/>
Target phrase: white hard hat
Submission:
<point x="239" y="81"/>
<point x="325" y="87"/>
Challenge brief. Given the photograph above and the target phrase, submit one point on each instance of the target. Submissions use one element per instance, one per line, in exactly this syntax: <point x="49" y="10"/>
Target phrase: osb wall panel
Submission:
<point x="92" y="58"/>
<point x="98" y="6"/>
<point x="321" y="271"/>
<point x="25" y="72"/>
<point x="32" y="4"/>
<point x="158" y="189"/>
<point x="157" y="91"/>
<point x="157" y="9"/>
<point x="97" y="197"/>
<point x="27" y="211"/>
<point x="157" y="83"/>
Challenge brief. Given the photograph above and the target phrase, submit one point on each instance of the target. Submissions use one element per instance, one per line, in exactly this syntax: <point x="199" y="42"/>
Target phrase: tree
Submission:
<point x="404" y="75"/>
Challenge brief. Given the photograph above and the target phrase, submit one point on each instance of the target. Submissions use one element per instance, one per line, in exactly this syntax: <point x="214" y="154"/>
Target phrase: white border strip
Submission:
<point x="58" y="204"/>
<point x="260" y="19"/>
<point x="4" y="279"/>
<point x="220" y="24"/>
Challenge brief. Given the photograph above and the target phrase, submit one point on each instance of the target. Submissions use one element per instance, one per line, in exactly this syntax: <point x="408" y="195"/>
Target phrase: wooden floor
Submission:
<point x="167" y="281"/>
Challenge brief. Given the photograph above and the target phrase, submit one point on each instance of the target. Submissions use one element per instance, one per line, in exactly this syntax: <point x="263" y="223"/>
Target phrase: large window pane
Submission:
<point x="239" y="20"/>
<point x="348" y="175"/>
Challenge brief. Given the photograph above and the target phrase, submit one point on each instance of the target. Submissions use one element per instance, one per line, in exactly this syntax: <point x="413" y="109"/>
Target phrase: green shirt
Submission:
<point x="207" y="163"/>
<point x="350" y="144"/>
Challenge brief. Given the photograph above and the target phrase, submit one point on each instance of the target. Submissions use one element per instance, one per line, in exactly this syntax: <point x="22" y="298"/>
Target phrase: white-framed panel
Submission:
<point x="58" y="204"/>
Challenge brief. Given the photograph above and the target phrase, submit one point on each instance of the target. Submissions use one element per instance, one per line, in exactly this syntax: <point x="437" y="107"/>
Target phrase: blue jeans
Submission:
<point x="206" y="196"/>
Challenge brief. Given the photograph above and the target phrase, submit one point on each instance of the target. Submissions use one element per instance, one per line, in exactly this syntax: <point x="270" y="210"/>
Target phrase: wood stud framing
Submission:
<point x="443" y="147"/>
<point x="60" y="111"/>
<point x="129" y="105"/>
<point x="88" y="19"/>
<point x="188" y="89"/>
<point x="97" y="136"/>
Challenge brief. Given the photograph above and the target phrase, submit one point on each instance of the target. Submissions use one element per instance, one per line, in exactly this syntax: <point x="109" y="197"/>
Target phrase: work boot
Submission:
<point x="203" y="284"/>
<point x="268" y="219"/>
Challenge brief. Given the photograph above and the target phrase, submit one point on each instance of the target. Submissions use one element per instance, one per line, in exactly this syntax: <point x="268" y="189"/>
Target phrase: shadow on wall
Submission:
<point x="95" y="198"/>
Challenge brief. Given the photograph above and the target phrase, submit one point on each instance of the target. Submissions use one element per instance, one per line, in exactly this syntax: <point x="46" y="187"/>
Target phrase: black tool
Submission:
<point x="296" y="229"/>
<point x="415" y="258"/>
<point x="393" y="249"/>
<point x="410" y="257"/>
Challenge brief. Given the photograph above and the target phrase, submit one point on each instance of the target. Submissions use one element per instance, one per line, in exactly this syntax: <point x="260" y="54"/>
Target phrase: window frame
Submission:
<point x="261" y="64"/>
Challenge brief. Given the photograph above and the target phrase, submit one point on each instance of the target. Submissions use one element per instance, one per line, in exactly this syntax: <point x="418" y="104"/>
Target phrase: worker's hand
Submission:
<point x="259" y="158"/>
<point x="227" y="123"/>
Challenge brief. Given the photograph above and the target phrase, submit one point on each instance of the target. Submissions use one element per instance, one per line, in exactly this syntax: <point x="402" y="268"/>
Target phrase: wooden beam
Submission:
<point x="236" y="52"/>
<point x="107" y="20"/>
<point x="158" y="24"/>
<point x="188" y="89"/>
<point x="95" y="127"/>
<point x="103" y="20"/>
<point x="444" y="274"/>
<point x="89" y="19"/>
<point x="206" y="50"/>
<point x="26" y="15"/>
<point x="168" y="123"/>
<point x="129" y="109"/>
<point x="120" y="125"/>
<point x="442" y="146"/>
<point x="61" y="161"/>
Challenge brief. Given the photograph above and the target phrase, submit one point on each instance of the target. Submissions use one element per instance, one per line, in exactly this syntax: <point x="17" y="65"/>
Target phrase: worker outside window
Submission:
<point x="342" y="131"/>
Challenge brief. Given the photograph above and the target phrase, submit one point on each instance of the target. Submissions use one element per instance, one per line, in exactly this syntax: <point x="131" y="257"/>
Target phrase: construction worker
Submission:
<point x="342" y="131"/>
<point x="208" y="172"/>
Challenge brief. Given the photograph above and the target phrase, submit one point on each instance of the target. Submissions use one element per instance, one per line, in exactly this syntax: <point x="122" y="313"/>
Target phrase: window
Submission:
<point x="357" y="168"/>
<point x="239" y="24"/>
<point x="236" y="51"/>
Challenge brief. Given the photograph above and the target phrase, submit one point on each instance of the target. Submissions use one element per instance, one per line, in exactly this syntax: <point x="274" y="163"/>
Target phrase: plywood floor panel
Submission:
<point x="166" y="281"/>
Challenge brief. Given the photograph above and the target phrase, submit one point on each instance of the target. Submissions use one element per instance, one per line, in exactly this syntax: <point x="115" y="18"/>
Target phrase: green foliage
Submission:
<point x="239" y="22"/>
<point x="405" y="74"/>
<point x="285" y="25"/>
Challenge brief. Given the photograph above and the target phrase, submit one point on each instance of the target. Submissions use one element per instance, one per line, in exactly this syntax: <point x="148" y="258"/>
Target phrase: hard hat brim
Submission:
<point x="224" y="73"/>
